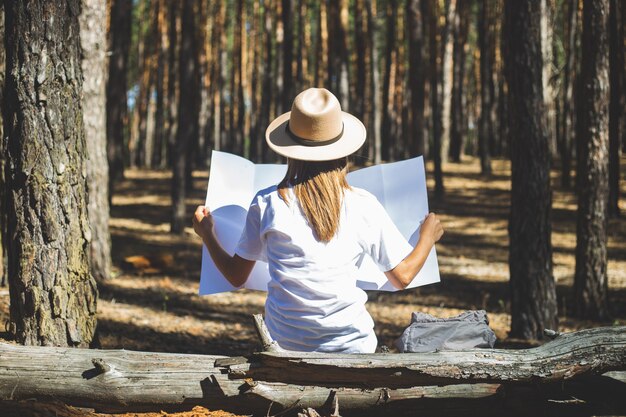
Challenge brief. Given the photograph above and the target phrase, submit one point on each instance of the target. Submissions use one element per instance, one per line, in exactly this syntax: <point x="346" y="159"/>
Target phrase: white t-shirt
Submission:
<point x="313" y="303"/>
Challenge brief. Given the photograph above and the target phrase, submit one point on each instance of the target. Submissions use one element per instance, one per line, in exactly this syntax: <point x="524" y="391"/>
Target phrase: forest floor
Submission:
<point x="152" y="302"/>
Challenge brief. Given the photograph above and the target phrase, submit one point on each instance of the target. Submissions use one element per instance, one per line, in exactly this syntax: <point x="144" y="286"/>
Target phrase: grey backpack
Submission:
<point x="427" y="333"/>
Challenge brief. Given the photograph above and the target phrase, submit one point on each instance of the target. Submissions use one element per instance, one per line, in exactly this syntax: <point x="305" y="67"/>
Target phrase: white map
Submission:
<point x="234" y="181"/>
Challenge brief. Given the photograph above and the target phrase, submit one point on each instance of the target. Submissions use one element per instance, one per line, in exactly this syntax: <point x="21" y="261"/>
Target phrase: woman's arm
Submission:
<point x="235" y="268"/>
<point x="430" y="232"/>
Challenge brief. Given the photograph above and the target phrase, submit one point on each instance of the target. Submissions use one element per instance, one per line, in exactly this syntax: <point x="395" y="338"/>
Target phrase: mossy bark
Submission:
<point x="53" y="294"/>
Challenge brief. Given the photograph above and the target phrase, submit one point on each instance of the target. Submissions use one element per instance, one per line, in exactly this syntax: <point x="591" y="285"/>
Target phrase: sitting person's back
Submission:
<point x="313" y="230"/>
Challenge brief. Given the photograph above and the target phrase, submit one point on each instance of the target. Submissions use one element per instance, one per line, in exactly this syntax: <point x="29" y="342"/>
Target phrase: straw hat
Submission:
<point x="315" y="129"/>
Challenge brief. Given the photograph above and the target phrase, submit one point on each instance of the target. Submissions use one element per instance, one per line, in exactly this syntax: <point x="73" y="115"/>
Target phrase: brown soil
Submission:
<point x="152" y="304"/>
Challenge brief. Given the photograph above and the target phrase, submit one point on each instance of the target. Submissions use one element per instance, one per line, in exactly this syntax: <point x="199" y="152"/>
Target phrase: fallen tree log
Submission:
<point x="587" y="352"/>
<point x="564" y="374"/>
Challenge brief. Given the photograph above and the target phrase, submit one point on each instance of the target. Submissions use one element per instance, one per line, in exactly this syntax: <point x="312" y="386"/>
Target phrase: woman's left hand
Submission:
<point x="202" y="222"/>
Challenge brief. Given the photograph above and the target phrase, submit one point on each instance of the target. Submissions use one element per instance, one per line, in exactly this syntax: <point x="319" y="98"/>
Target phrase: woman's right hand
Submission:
<point x="431" y="229"/>
<point x="202" y="222"/>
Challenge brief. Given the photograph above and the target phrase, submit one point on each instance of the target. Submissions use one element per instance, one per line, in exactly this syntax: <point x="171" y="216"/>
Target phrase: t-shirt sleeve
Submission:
<point x="386" y="245"/>
<point x="251" y="245"/>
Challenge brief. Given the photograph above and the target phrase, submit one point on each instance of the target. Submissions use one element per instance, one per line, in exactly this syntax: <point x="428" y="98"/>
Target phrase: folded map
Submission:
<point x="233" y="182"/>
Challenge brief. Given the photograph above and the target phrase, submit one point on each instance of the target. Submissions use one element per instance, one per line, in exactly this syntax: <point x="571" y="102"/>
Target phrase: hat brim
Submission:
<point x="281" y="142"/>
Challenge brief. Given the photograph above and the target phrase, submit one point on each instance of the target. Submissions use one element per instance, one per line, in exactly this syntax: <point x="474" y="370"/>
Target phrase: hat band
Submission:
<point x="309" y="142"/>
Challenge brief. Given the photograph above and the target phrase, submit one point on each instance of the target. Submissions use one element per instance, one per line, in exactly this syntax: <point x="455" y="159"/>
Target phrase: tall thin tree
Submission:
<point x="415" y="26"/>
<point x="288" y="90"/>
<point x="533" y="295"/>
<point x="93" y="40"/>
<point x="3" y="212"/>
<point x="567" y="119"/>
<point x="616" y="106"/>
<point x="592" y="132"/>
<point x="487" y="102"/>
<point x="390" y="46"/>
<point x="432" y="16"/>
<point x="458" y="112"/>
<point x="116" y="90"/>
<point x="53" y="294"/>
<point x="187" y="118"/>
<point x="375" y="96"/>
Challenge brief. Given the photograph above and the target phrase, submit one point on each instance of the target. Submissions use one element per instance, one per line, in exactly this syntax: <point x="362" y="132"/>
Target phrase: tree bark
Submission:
<point x="569" y="71"/>
<point x="445" y="74"/>
<point x="267" y="91"/>
<point x="485" y="381"/>
<point x="485" y="122"/>
<point x="162" y="77"/>
<point x="547" y="34"/>
<point x="435" y="100"/>
<point x="376" y="107"/>
<point x="616" y="105"/>
<point x="361" y="56"/>
<point x="173" y="83"/>
<point x="337" y="53"/>
<point x="93" y="40"/>
<point x="302" y="49"/>
<point x="187" y="118"/>
<point x="458" y="129"/>
<point x="116" y="102"/>
<point x="288" y="90"/>
<point x="533" y="296"/>
<point x="236" y="90"/>
<point x="415" y="24"/>
<point x="3" y="212"/>
<point x="390" y="46"/>
<point x="53" y="294"/>
<point x="590" y="280"/>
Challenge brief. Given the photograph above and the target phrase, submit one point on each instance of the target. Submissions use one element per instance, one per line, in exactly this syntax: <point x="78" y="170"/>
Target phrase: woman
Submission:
<point x="313" y="230"/>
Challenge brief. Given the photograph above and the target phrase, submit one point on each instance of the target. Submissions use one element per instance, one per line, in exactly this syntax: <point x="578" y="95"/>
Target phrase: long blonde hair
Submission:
<point x="319" y="188"/>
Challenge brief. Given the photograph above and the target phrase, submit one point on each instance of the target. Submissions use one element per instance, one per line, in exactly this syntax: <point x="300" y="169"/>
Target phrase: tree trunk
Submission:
<point x="445" y="74"/>
<point x="162" y="76"/>
<point x="321" y="50"/>
<point x="337" y="52"/>
<point x="302" y="49"/>
<point x="361" y="57"/>
<point x="415" y="25"/>
<point x="458" y="130"/>
<point x="547" y="33"/>
<point x="591" y="281"/>
<point x="569" y="71"/>
<point x="376" y="106"/>
<point x="93" y="40"/>
<point x="236" y="104"/>
<point x="623" y="27"/>
<point x="267" y="92"/>
<point x="432" y="16"/>
<point x="533" y="296"/>
<point x="173" y="83"/>
<point x="257" y="135"/>
<point x="485" y="122"/>
<point x="288" y="90"/>
<point x="218" y="81"/>
<point x="476" y="382"/>
<point x="3" y="212"/>
<point x="116" y="101"/>
<point x="187" y="118"/>
<point x="136" y="141"/>
<point x="390" y="46"/>
<point x="53" y="295"/>
<point x="616" y="106"/>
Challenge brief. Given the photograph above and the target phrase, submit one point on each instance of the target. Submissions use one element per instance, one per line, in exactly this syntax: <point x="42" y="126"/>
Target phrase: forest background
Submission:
<point x="111" y="110"/>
